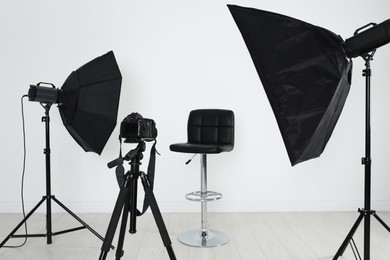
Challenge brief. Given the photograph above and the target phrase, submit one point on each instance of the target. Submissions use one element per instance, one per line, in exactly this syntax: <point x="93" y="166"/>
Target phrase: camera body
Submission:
<point x="135" y="128"/>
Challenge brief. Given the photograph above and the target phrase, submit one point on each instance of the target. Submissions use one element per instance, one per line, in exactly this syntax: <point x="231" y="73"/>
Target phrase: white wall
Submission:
<point x="175" y="56"/>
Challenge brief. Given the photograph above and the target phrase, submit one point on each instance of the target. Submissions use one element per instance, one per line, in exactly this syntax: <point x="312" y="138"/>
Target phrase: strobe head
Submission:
<point x="44" y="94"/>
<point x="366" y="40"/>
<point x="135" y="128"/>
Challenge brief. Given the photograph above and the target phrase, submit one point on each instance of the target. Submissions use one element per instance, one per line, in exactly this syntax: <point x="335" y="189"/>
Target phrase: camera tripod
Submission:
<point x="127" y="202"/>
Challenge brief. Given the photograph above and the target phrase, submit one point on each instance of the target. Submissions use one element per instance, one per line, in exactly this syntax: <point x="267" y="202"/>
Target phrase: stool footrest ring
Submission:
<point x="205" y="196"/>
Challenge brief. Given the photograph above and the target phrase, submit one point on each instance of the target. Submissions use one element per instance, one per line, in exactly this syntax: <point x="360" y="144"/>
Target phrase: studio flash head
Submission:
<point x="44" y="94"/>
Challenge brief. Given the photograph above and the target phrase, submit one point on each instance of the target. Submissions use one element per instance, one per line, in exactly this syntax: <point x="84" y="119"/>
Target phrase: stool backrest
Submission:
<point x="211" y="126"/>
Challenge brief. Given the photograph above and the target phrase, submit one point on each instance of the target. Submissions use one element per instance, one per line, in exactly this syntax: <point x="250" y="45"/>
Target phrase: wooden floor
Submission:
<point x="272" y="236"/>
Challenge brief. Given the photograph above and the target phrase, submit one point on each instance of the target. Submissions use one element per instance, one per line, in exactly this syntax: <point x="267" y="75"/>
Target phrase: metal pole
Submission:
<point x="47" y="152"/>
<point x="367" y="164"/>
<point x="203" y="185"/>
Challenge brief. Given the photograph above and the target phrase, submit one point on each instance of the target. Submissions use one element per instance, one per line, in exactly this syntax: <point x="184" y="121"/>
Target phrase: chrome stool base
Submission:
<point x="194" y="238"/>
<point x="203" y="237"/>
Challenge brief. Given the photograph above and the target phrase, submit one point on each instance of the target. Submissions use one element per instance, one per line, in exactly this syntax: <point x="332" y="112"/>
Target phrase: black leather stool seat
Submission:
<point x="209" y="131"/>
<point x="200" y="148"/>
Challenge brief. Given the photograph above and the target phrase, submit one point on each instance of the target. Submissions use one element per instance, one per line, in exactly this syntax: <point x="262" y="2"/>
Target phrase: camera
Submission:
<point x="135" y="128"/>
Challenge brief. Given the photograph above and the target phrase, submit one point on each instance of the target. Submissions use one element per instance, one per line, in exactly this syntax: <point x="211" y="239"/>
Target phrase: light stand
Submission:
<point x="294" y="70"/>
<point x="48" y="197"/>
<point x="127" y="202"/>
<point x="366" y="212"/>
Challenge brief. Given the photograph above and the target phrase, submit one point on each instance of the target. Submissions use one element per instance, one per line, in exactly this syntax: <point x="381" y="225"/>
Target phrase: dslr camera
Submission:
<point x="135" y="128"/>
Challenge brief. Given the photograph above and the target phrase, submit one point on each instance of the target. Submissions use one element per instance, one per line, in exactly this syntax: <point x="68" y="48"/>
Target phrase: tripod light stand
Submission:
<point x="306" y="72"/>
<point x="366" y="212"/>
<point x="48" y="198"/>
<point x="88" y="103"/>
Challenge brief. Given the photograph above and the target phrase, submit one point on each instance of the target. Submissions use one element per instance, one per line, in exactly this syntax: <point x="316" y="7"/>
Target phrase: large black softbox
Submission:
<point x="89" y="102"/>
<point x="304" y="73"/>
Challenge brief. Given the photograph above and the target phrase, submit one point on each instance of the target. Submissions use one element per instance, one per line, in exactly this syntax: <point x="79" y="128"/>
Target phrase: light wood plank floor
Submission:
<point x="297" y="236"/>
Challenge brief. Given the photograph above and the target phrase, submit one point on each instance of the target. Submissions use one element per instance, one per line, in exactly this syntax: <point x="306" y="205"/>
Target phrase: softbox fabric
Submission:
<point x="89" y="102"/>
<point x="305" y="75"/>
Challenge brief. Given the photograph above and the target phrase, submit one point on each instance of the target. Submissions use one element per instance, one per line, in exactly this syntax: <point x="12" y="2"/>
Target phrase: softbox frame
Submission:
<point x="305" y="75"/>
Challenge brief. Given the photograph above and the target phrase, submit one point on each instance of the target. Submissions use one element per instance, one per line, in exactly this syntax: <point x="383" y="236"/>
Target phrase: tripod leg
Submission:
<point x="158" y="217"/>
<point x="22" y="222"/>
<point x="344" y="245"/>
<point x="125" y="214"/>
<point x="382" y="222"/>
<point x="120" y="202"/>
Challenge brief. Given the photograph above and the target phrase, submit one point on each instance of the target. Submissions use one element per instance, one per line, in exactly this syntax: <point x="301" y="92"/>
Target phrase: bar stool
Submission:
<point x="209" y="131"/>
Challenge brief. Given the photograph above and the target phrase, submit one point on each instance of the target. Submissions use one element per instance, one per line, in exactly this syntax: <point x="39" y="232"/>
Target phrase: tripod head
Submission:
<point x="134" y="157"/>
<point x="134" y="153"/>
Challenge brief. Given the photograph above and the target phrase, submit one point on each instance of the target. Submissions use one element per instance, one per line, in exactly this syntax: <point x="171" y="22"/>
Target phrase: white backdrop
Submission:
<point x="175" y="56"/>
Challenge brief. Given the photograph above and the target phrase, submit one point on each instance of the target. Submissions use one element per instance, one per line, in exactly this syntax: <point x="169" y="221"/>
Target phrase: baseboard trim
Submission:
<point x="217" y="206"/>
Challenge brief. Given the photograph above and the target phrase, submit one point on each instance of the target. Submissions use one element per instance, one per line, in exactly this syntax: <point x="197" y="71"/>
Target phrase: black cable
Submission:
<point x="355" y="249"/>
<point x="23" y="173"/>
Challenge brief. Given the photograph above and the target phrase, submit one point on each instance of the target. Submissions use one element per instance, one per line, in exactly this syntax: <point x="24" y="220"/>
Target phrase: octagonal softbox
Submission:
<point x="89" y="102"/>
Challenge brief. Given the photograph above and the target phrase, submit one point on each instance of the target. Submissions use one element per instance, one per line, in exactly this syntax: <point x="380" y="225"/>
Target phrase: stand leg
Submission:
<point x="382" y="222"/>
<point x="22" y="222"/>
<point x="85" y="225"/>
<point x="120" y="202"/>
<point x="49" y="233"/>
<point x="158" y="217"/>
<point x="344" y="245"/>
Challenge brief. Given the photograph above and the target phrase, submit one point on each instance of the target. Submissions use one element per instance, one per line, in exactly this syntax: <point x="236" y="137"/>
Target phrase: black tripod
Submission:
<point x="48" y="198"/>
<point x="366" y="212"/>
<point x="127" y="202"/>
